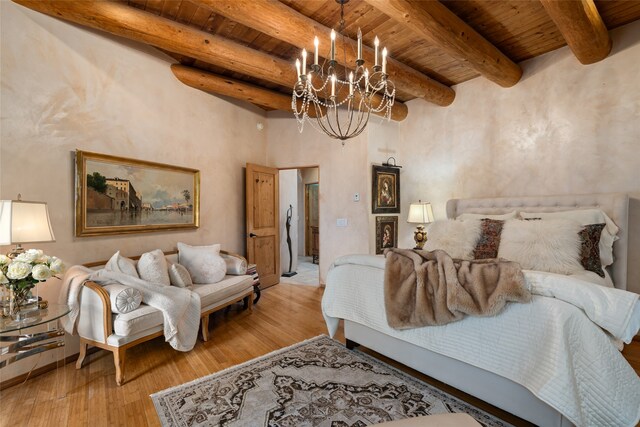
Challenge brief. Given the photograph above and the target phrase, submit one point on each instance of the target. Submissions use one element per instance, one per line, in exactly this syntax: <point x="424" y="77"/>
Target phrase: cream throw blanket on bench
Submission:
<point x="423" y="288"/>
<point x="180" y="307"/>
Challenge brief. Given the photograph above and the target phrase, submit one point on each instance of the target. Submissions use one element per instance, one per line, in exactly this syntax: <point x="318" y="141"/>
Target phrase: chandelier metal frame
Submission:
<point x="341" y="106"/>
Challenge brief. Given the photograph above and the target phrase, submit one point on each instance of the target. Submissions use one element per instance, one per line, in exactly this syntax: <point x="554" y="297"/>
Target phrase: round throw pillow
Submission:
<point x="123" y="298"/>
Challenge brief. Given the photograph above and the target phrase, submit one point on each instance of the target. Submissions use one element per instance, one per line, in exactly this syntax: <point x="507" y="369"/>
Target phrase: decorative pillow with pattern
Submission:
<point x="590" y="249"/>
<point x="489" y="242"/>
<point x="152" y="267"/>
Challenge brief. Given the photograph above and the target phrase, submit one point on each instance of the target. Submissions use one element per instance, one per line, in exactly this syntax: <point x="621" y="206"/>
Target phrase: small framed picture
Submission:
<point x="385" y="190"/>
<point x="386" y="233"/>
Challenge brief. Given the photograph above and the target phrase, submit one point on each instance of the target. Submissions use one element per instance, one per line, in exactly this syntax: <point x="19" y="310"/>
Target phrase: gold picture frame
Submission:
<point x="118" y="195"/>
<point x="385" y="192"/>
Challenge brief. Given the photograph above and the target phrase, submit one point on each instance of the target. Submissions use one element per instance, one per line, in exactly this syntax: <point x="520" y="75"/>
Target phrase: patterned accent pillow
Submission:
<point x="179" y="276"/>
<point x="489" y="241"/>
<point x="152" y="267"/>
<point x="590" y="248"/>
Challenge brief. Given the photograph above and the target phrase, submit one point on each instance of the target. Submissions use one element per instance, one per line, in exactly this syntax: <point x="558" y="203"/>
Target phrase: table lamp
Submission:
<point x="24" y="222"/>
<point x="420" y="213"/>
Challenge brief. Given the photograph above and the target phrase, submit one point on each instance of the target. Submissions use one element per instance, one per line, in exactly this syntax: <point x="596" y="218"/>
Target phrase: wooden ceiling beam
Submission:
<point x="134" y="24"/>
<point x="442" y="28"/>
<point x="582" y="28"/>
<point x="284" y="23"/>
<point x="220" y="85"/>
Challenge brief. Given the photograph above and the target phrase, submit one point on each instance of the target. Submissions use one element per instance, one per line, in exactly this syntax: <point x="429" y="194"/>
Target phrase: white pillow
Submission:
<point x="457" y="238"/>
<point x="121" y="264"/>
<point x="179" y="276"/>
<point x="123" y="298"/>
<point x="152" y="267"/>
<point x="504" y="217"/>
<point x="235" y="266"/>
<point x="204" y="263"/>
<point x="552" y="245"/>
<point x="587" y="217"/>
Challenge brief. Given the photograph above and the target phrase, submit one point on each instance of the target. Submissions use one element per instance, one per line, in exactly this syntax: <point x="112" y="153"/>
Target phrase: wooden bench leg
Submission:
<point x="83" y="354"/>
<point x="118" y="361"/>
<point x="250" y="302"/>
<point x="205" y="328"/>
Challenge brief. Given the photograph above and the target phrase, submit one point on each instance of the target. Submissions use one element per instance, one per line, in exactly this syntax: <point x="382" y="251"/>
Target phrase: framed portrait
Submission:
<point x="386" y="190"/>
<point x="386" y="233"/>
<point x="116" y="195"/>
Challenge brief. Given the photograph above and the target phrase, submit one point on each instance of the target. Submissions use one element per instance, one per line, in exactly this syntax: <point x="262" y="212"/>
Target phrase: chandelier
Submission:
<point x="338" y="100"/>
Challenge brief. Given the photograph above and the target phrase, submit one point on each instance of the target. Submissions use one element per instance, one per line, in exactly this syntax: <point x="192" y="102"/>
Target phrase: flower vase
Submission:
<point x="18" y="299"/>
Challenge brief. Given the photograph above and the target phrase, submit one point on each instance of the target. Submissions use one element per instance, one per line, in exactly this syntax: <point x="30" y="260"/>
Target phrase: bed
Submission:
<point x="538" y="385"/>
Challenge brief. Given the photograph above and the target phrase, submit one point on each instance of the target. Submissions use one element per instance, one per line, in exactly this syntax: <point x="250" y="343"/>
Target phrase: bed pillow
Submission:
<point x="489" y="241"/>
<point x="179" y="276"/>
<point x="504" y="217"/>
<point x="204" y="263"/>
<point x="152" y="267"/>
<point x="123" y="298"/>
<point x="121" y="264"/>
<point x="552" y="245"/>
<point x="586" y="217"/>
<point x="457" y="238"/>
<point x="590" y="248"/>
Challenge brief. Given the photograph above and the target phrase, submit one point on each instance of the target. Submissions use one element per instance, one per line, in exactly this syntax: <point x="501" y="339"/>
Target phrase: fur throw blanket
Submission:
<point x="423" y="288"/>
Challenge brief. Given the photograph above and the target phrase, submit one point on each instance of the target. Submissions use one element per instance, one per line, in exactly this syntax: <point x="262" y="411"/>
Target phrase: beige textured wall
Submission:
<point x="65" y="88"/>
<point x="565" y="128"/>
<point x="342" y="172"/>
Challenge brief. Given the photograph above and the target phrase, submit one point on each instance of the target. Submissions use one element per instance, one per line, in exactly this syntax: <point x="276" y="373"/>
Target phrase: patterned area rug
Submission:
<point x="313" y="383"/>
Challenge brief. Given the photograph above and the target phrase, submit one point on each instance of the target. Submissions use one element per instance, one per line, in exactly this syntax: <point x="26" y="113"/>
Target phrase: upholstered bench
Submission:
<point x="99" y="327"/>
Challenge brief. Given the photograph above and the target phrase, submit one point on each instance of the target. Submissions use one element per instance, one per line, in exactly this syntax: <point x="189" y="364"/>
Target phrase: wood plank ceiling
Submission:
<point x="520" y="29"/>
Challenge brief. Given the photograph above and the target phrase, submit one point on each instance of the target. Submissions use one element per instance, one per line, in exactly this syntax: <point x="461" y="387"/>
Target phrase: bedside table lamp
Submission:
<point x="420" y="213"/>
<point x="24" y="222"/>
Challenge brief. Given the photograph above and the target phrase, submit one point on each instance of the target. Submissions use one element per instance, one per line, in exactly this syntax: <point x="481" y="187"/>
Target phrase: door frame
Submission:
<point x="317" y="182"/>
<point x="307" y="228"/>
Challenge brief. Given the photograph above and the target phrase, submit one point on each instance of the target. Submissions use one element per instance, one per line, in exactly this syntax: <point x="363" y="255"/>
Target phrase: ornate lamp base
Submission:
<point x="420" y="236"/>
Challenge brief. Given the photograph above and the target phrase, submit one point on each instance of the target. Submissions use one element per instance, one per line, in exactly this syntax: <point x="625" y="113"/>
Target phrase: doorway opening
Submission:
<point x="300" y="225"/>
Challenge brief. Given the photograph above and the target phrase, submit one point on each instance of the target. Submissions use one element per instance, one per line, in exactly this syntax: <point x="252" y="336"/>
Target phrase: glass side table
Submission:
<point x="37" y="332"/>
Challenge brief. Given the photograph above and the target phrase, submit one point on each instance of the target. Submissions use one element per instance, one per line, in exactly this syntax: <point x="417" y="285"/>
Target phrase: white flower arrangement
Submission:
<point x="30" y="267"/>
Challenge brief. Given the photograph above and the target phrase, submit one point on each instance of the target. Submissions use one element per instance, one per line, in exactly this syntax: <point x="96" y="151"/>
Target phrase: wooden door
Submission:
<point x="311" y="214"/>
<point x="263" y="239"/>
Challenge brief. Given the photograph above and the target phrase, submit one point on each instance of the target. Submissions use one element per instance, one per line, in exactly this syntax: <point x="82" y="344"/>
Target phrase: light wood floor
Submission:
<point x="286" y="314"/>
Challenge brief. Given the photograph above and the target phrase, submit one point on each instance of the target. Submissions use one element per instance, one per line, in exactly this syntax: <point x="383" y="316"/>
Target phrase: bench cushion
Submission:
<point x="227" y="287"/>
<point x="145" y="317"/>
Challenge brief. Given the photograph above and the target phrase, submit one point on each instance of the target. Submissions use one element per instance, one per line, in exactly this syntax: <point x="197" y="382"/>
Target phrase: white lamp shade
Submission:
<point x="420" y="213"/>
<point x="24" y="222"/>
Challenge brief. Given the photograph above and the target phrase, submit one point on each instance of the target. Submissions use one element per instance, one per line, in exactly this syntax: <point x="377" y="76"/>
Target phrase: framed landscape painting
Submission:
<point x="116" y="195"/>
<point x="385" y="195"/>
<point x="386" y="233"/>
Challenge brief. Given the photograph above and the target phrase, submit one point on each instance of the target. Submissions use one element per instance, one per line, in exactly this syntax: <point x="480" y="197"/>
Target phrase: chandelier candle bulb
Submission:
<point x="376" y="43"/>
<point x="316" y="43"/>
<point x="359" y="45"/>
<point x="351" y="83"/>
<point x="333" y="45"/>
<point x="384" y="61"/>
<point x="333" y="85"/>
<point x="298" y="68"/>
<point x="304" y="61"/>
<point x="366" y="80"/>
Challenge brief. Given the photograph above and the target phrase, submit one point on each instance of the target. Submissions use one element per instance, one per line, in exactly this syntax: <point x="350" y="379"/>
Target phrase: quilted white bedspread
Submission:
<point x="549" y="346"/>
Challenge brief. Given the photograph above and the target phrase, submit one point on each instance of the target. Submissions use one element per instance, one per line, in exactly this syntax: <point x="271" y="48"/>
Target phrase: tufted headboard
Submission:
<point x="616" y="205"/>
